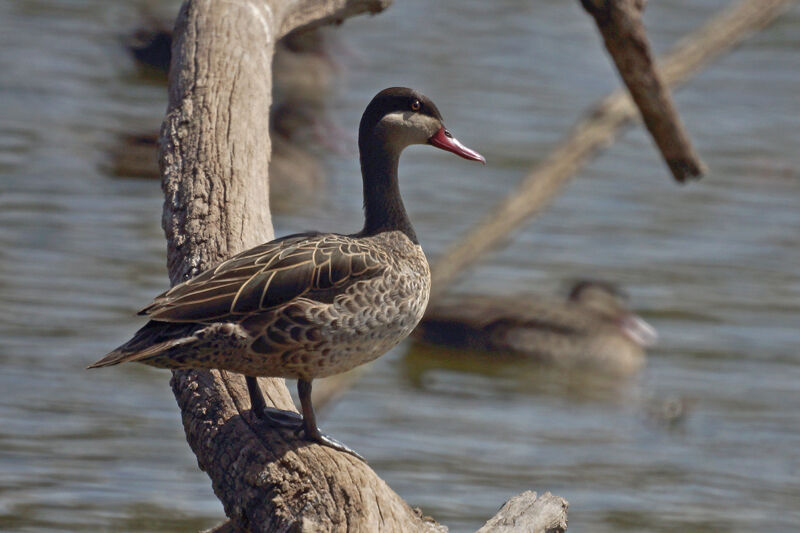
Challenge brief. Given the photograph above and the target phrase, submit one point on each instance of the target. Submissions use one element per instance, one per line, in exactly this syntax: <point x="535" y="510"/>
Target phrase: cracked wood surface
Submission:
<point x="530" y="513"/>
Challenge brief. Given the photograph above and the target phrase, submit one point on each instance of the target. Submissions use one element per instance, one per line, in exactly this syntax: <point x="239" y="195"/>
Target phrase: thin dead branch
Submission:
<point x="620" y="24"/>
<point x="596" y="130"/>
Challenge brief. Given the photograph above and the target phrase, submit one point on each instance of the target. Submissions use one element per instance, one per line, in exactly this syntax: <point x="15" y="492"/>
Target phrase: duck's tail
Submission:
<point x="112" y="358"/>
<point x="151" y="341"/>
<point x="121" y="355"/>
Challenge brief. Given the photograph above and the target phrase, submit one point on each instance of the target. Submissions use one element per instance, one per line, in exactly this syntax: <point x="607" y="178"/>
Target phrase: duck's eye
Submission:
<point x="415" y="105"/>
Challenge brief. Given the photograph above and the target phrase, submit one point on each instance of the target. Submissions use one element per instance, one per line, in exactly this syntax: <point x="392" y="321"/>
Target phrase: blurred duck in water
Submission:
<point x="591" y="330"/>
<point x="304" y="73"/>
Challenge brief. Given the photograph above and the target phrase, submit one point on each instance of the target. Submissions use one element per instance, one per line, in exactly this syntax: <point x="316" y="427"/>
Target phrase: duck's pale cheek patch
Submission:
<point x="404" y="128"/>
<point x="396" y="119"/>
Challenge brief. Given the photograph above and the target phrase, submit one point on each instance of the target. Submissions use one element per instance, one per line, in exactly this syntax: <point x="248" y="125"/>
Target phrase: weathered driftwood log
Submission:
<point x="595" y="131"/>
<point x="214" y="158"/>
<point x="620" y="24"/>
<point x="529" y="513"/>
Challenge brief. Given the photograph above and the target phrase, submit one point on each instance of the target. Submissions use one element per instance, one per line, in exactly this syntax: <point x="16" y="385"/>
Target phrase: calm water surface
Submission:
<point x="713" y="265"/>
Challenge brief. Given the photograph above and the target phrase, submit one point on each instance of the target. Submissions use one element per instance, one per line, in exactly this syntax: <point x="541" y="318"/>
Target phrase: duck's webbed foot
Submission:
<point x="271" y="415"/>
<point x="310" y="430"/>
<point x="304" y="425"/>
<point x="291" y="420"/>
<point x="280" y="418"/>
<point x="315" y="435"/>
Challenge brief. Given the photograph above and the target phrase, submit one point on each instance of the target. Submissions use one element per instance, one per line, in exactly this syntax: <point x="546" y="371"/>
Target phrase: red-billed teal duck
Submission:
<point x="593" y="329"/>
<point x="313" y="304"/>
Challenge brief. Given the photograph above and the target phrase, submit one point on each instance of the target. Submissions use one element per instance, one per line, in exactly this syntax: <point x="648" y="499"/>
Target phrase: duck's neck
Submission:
<point x="383" y="206"/>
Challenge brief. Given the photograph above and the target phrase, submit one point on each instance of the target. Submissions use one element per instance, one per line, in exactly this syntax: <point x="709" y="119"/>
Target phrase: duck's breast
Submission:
<point x="374" y="315"/>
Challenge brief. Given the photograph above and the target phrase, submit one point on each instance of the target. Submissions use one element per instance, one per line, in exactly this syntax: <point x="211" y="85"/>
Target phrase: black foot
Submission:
<point x="305" y="424"/>
<point x="280" y="418"/>
<point x="330" y="442"/>
<point x="291" y="420"/>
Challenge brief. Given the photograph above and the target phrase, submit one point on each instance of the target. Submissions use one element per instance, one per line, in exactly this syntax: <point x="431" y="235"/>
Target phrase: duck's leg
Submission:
<point x="310" y="429"/>
<point x="275" y="417"/>
<point x="307" y="423"/>
<point x="257" y="403"/>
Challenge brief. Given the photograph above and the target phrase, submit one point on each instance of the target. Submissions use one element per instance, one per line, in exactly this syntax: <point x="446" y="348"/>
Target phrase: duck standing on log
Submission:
<point x="592" y="330"/>
<point x="309" y="305"/>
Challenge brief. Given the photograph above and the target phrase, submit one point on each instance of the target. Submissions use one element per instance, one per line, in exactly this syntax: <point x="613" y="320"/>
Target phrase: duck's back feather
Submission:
<point x="305" y="265"/>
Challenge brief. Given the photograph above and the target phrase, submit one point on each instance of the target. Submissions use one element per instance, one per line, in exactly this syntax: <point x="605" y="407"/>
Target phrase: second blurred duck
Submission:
<point x="304" y="73"/>
<point x="591" y="330"/>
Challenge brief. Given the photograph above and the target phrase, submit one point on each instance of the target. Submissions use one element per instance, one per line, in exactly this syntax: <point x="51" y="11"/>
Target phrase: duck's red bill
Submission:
<point x="444" y="140"/>
<point x="636" y="329"/>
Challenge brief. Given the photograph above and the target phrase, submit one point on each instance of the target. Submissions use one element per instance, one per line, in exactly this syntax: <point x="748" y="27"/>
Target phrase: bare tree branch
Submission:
<point x="620" y="24"/>
<point x="596" y="130"/>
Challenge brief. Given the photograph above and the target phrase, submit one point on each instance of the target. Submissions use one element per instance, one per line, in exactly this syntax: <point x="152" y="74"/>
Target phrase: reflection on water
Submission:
<point x="713" y="266"/>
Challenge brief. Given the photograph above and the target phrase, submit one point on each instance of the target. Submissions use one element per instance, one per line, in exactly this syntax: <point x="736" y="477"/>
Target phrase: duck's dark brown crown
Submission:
<point x="391" y="100"/>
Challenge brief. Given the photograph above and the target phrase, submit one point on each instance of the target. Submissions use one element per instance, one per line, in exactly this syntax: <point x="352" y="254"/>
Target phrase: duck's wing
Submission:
<point x="312" y="266"/>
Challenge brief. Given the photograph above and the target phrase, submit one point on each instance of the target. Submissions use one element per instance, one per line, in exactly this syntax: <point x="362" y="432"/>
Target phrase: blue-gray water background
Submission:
<point x="714" y="266"/>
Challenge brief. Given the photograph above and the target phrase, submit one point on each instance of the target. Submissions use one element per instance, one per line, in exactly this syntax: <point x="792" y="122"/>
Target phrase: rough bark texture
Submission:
<point x="529" y="513"/>
<point x="214" y="157"/>
<point x="620" y="24"/>
<point x="596" y="130"/>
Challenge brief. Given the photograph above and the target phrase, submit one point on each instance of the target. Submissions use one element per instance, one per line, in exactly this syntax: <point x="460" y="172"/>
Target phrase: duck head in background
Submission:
<point x="609" y="303"/>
